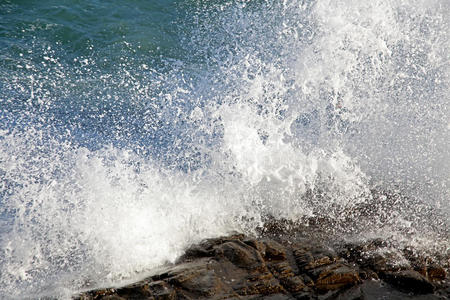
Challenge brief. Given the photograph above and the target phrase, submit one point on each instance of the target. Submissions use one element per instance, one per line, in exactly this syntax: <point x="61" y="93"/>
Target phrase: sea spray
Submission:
<point x="117" y="152"/>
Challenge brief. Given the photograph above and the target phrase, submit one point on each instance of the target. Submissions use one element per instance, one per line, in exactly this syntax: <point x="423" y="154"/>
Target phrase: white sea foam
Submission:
<point x="328" y="97"/>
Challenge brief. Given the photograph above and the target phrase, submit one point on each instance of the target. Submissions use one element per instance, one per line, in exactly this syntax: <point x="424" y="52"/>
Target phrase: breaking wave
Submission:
<point x="117" y="152"/>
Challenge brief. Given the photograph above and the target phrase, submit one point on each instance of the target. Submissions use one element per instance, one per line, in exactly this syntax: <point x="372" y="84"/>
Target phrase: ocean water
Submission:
<point x="132" y="129"/>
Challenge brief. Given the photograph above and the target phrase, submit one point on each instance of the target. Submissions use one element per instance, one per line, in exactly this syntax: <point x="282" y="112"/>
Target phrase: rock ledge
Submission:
<point x="241" y="267"/>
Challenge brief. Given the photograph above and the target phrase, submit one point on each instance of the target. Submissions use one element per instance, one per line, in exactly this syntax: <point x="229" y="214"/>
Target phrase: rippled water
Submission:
<point x="130" y="130"/>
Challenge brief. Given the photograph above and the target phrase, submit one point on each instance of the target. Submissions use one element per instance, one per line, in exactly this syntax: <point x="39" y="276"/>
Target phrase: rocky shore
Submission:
<point x="278" y="266"/>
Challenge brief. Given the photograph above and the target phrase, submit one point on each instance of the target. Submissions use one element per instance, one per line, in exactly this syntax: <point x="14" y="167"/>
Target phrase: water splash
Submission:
<point x="111" y="166"/>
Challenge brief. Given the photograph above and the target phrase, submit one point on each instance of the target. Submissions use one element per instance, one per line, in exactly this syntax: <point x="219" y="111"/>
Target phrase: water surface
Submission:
<point x="129" y="130"/>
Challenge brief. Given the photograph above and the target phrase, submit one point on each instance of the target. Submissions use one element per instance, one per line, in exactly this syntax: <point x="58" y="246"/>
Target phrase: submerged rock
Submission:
<point x="240" y="267"/>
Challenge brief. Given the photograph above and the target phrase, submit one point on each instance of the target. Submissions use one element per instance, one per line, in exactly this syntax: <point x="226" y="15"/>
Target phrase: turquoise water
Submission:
<point x="132" y="129"/>
<point x="65" y="61"/>
<point x="86" y="28"/>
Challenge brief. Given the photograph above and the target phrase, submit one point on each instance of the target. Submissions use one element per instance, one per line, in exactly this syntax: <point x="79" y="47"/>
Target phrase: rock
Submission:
<point x="241" y="255"/>
<point x="206" y="247"/>
<point x="303" y="258"/>
<point x="281" y="269"/>
<point x="368" y="274"/>
<point x="240" y="267"/>
<point x="436" y="272"/>
<point x="258" y="245"/>
<point x="284" y="272"/>
<point x="278" y="297"/>
<point x="304" y="296"/>
<point x="376" y="255"/>
<point x="199" y="279"/>
<point x="261" y="285"/>
<point x="409" y="280"/>
<point x="162" y="290"/>
<point x="274" y="250"/>
<point x="353" y="293"/>
<point x="309" y="259"/>
<point x="294" y="284"/>
<point x="114" y="297"/>
<point x="336" y="276"/>
<point x="135" y="291"/>
<point x="307" y="280"/>
<point x="100" y="296"/>
<point x="327" y="271"/>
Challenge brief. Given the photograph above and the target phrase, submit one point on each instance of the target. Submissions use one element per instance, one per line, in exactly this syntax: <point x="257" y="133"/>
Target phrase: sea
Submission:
<point x="130" y="130"/>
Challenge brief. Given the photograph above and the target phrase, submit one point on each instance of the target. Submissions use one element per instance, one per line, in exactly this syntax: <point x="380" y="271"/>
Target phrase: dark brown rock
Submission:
<point x="135" y="291"/>
<point x="436" y="272"/>
<point x="376" y="255"/>
<point x="313" y="257"/>
<point x="115" y="297"/>
<point x="335" y="277"/>
<point x="162" y="290"/>
<point x="307" y="280"/>
<point x="206" y="247"/>
<point x="200" y="280"/>
<point x="99" y="294"/>
<point x="260" y="285"/>
<point x="368" y="274"/>
<point x="303" y="258"/>
<point x="284" y="272"/>
<point x="241" y="255"/>
<point x="104" y="296"/>
<point x="304" y="296"/>
<point x="294" y="284"/>
<point x="258" y="245"/>
<point x="353" y="293"/>
<point x="239" y="267"/>
<point x="327" y="271"/>
<point x="274" y="250"/>
<point x="409" y="280"/>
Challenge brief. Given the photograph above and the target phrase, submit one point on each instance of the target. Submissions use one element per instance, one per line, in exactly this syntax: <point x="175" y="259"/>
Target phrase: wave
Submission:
<point x="287" y="110"/>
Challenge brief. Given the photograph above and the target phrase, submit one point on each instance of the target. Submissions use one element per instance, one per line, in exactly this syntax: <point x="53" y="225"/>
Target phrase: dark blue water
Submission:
<point x="129" y="130"/>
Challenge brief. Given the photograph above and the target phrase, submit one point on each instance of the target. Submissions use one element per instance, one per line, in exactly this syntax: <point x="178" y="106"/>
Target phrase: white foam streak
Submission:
<point x="338" y="98"/>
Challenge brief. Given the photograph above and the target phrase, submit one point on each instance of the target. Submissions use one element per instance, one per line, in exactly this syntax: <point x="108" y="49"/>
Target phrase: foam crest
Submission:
<point x="107" y="215"/>
<point x="287" y="110"/>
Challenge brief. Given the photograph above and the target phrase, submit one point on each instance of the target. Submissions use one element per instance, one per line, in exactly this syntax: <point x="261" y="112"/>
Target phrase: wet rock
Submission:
<point x="304" y="296"/>
<point x="261" y="285"/>
<point x="199" y="279"/>
<point x="162" y="290"/>
<point x="101" y="295"/>
<point x="368" y="274"/>
<point x="284" y="272"/>
<point x="337" y="276"/>
<point x="240" y="267"/>
<point x="307" y="280"/>
<point x="135" y="291"/>
<point x="281" y="269"/>
<point x="375" y="290"/>
<point x="274" y="250"/>
<point x="206" y="247"/>
<point x="308" y="259"/>
<point x="354" y="293"/>
<point x="241" y="255"/>
<point x="114" y="297"/>
<point x="294" y="284"/>
<point x="258" y="245"/>
<point x="436" y="272"/>
<point x="376" y="255"/>
<point x="325" y="268"/>
<point x="409" y="280"/>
